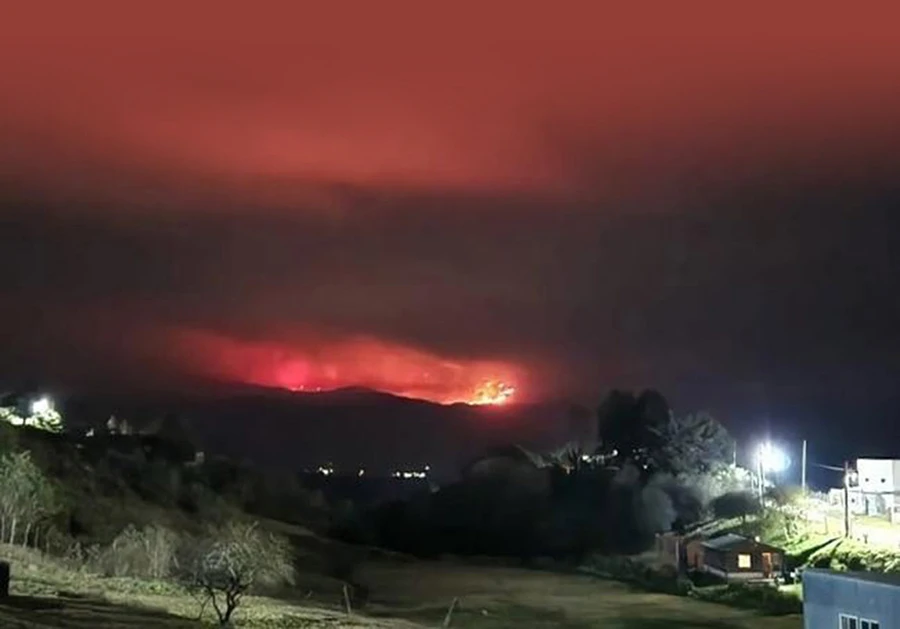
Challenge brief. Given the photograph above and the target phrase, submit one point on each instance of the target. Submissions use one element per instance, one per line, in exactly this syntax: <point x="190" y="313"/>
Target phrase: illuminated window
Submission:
<point x="745" y="562"/>
<point x="869" y="624"/>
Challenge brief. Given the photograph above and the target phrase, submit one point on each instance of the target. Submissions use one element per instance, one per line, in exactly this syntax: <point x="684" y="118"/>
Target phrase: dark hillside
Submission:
<point x="350" y="428"/>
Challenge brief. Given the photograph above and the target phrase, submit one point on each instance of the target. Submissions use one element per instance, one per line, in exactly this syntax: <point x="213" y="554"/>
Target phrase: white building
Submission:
<point x="836" y="500"/>
<point x="878" y="486"/>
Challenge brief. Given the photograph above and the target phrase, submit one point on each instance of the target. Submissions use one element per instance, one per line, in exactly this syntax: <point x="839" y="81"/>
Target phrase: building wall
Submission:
<point x="694" y="552"/>
<point x="720" y="561"/>
<point x="735" y="576"/>
<point x="877" y="475"/>
<point x="879" y="483"/>
<point x="826" y="595"/>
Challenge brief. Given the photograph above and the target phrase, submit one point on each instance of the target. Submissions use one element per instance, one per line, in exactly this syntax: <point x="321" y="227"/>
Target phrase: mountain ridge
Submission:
<point x="351" y="428"/>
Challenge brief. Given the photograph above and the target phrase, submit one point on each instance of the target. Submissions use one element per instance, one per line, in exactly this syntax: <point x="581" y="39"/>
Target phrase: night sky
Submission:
<point x="422" y="200"/>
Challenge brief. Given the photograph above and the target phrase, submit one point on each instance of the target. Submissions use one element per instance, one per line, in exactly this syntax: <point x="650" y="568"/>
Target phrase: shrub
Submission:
<point x="851" y="555"/>
<point x="663" y="579"/>
<point x="9" y="438"/>
<point x="149" y="554"/>
<point x="159" y="481"/>
<point x="230" y="561"/>
<point x="765" y="598"/>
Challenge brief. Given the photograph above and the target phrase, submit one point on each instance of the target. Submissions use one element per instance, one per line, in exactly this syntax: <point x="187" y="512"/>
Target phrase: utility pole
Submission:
<point x="846" y="499"/>
<point x="762" y="478"/>
<point x="803" y="469"/>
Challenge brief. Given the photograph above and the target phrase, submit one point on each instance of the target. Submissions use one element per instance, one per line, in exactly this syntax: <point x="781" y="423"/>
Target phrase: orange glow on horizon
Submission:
<point x="317" y="366"/>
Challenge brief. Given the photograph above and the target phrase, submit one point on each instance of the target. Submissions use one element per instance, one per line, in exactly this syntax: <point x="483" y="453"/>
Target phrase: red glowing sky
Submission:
<point x="316" y="365"/>
<point x="448" y="191"/>
<point x="413" y="95"/>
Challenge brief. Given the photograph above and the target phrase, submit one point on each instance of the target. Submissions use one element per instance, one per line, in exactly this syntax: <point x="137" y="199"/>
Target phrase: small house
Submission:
<point x="735" y="557"/>
<point x="850" y="600"/>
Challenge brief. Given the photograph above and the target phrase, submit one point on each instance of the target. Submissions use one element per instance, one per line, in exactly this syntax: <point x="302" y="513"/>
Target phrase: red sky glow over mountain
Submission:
<point x="353" y="362"/>
<point x="479" y="201"/>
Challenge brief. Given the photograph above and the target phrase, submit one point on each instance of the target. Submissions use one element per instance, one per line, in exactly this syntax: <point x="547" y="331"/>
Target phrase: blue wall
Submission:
<point x="827" y="594"/>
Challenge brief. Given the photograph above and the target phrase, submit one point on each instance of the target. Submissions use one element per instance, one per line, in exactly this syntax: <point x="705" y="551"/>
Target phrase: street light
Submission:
<point x="772" y="458"/>
<point x="769" y="458"/>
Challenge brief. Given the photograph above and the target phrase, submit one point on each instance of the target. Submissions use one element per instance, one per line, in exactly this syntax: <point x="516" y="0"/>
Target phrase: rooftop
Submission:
<point x="731" y="540"/>
<point x="884" y="578"/>
<point x="725" y="541"/>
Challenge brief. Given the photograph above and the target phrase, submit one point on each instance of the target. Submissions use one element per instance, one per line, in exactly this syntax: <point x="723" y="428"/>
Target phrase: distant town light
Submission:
<point x="41" y="406"/>
<point x="407" y="475"/>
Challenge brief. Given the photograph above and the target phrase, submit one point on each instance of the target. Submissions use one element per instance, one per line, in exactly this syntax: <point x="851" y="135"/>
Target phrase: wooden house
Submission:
<point x="735" y="557"/>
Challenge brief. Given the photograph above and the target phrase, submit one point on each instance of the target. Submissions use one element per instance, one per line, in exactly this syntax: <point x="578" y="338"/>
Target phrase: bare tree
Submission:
<point x="148" y="553"/>
<point x="28" y="497"/>
<point x="230" y="561"/>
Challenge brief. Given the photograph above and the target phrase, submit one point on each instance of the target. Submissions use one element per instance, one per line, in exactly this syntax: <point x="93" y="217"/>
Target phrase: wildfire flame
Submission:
<point x="324" y="365"/>
<point x="492" y="392"/>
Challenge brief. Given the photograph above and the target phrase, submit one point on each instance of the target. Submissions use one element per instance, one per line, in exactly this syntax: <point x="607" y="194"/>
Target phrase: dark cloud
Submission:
<point x="777" y="287"/>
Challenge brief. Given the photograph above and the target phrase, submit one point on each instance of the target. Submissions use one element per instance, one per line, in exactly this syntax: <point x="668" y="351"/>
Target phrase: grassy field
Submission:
<point x="401" y="594"/>
<point x="492" y="597"/>
<point x="46" y="594"/>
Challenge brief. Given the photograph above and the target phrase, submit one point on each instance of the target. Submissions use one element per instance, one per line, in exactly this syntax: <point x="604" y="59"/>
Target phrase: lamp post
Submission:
<point x="803" y="471"/>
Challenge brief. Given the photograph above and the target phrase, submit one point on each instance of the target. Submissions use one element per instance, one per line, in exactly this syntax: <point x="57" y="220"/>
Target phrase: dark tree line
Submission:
<point x="640" y="481"/>
<point x="643" y="431"/>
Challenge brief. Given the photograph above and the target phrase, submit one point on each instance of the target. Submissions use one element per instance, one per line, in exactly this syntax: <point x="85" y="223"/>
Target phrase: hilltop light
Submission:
<point x="41" y="406"/>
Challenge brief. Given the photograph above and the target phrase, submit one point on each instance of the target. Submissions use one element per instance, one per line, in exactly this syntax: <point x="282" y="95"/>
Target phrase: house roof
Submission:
<point x="732" y="540"/>
<point x="884" y="578"/>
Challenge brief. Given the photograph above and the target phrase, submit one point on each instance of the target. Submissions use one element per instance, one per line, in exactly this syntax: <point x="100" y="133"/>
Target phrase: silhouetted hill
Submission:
<point x="351" y="428"/>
